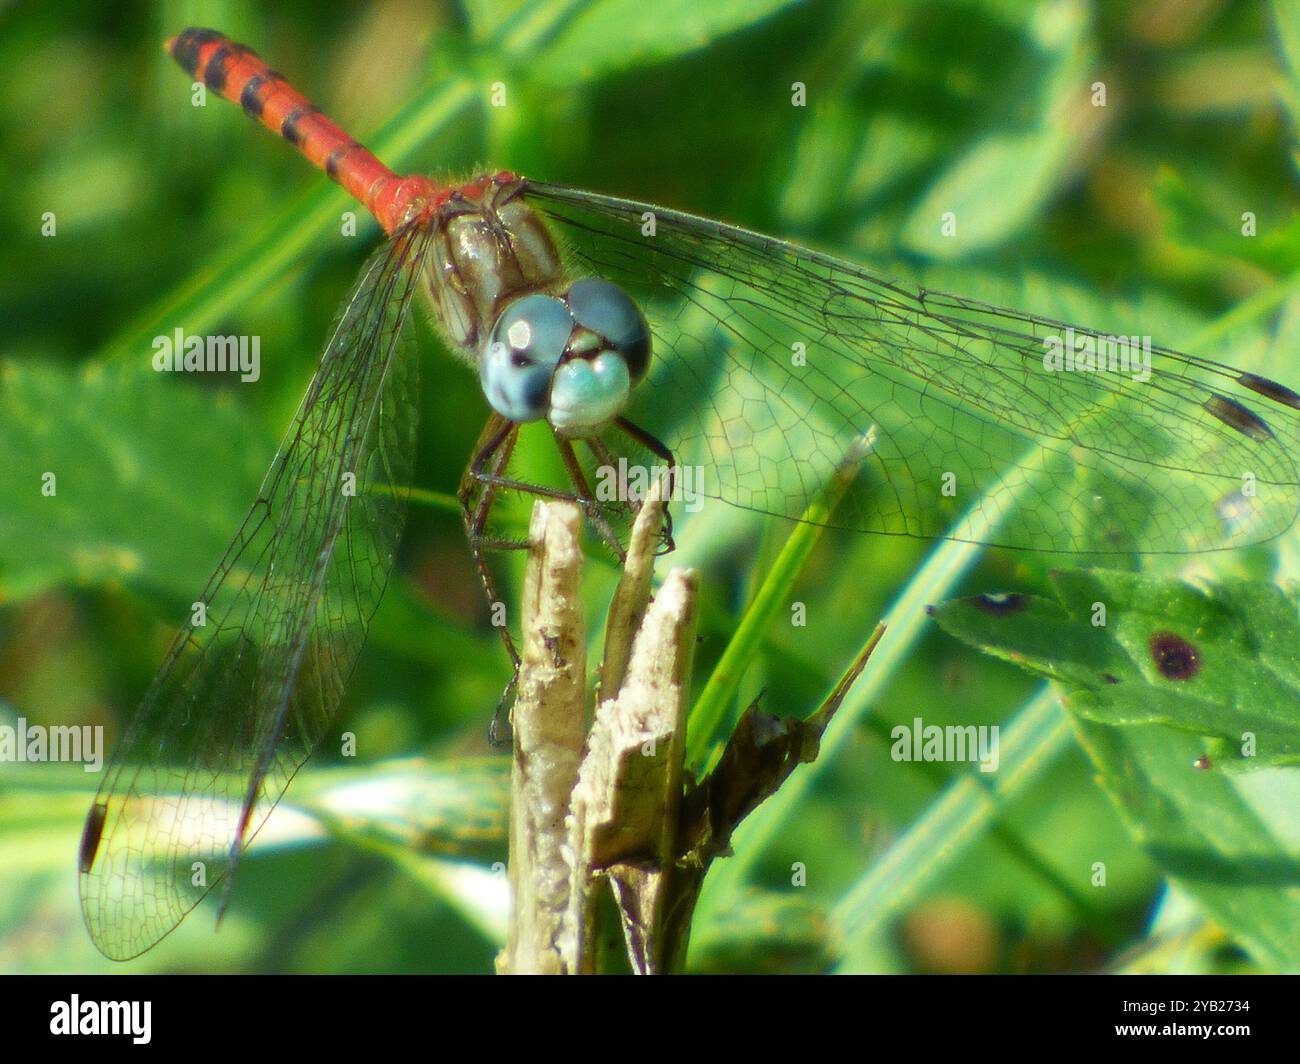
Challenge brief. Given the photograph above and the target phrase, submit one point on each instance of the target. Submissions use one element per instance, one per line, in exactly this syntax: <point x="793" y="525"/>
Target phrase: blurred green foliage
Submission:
<point x="171" y="216"/>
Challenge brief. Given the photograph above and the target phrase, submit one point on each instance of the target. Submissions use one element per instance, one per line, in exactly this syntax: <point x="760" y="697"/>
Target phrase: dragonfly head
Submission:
<point x="571" y="358"/>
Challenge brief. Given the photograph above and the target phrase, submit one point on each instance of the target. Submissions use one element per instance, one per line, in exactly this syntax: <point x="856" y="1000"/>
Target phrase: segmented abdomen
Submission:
<point x="236" y="73"/>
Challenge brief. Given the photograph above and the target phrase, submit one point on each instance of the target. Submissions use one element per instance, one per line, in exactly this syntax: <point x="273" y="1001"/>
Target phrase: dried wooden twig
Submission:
<point x="549" y="730"/>
<point x="573" y="801"/>
<point x="613" y="806"/>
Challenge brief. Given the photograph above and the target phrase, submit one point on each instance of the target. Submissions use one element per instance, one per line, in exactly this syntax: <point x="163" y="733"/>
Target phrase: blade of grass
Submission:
<point x="904" y="623"/>
<point x="433" y="500"/>
<point x="710" y="708"/>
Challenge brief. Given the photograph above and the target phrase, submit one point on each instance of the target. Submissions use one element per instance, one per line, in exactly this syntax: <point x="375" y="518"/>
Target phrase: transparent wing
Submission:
<point x="770" y="359"/>
<point x="251" y="684"/>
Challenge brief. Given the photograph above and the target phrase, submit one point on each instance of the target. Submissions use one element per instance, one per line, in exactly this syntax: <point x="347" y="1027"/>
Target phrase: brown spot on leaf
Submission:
<point x="1174" y="656"/>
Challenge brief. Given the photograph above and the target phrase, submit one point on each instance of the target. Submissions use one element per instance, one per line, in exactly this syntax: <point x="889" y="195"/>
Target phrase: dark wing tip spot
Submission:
<point x="91" y="836"/>
<point x="1174" y="656"/>
<point x="1239" y="417"/>
<point x="1279" y="393"/>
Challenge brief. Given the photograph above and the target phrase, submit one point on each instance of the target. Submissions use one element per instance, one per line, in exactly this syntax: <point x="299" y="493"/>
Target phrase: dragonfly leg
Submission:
<point x="483" y="480"/>
<point x="476" y="494"/>
<point x="588" y="500"/>
<point x="657" y="447"/>
<point x="606" y="458"/>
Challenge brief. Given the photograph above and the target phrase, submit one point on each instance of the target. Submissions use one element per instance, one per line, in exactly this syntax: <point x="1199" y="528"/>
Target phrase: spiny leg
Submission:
<point x="587" y="499"/>
<point x="503" y="483"/>
<point x="657" y="447"/>
<point x="482" y="481"/>
<point x="485" y="477"/>
<point x="494" y="447"/>
<point x="605" y="457"/>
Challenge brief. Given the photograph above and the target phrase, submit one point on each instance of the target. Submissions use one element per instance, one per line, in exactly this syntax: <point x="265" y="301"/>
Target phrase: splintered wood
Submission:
<point x="550" y="727"/>
<point x="582" y="804"/>
<point x="611" y="806"/>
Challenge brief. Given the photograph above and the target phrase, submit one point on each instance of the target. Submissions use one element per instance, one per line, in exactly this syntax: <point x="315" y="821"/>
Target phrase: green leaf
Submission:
<point x="764" y="932"/>
<point x="623" y="34"/>
<point x="970" y="806"/>
<point x="150" y="478"/>
<point x="1286" y="19"/>
<point x="990" y="192"/>
<point x="420" y="805"/>
<point x="1006" y="176"/>
<point x="1136" y="650"/>
<point x="711" y="707"/>
<point x="1166" y="666"/>
<point x="1207" y="218"/>
<point x="1214" y="836"/>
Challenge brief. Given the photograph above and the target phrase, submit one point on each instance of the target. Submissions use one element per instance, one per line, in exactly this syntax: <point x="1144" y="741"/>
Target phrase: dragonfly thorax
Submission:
<point x="489" y="249"/>
<point x="545" y="348"/>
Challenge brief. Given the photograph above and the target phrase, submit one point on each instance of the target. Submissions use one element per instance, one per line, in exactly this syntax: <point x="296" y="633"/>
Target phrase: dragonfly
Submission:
<point x="632" y="330"/>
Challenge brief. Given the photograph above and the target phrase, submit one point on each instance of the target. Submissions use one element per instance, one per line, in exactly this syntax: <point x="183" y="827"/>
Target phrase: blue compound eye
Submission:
<point x="608" y="311"/>
<point x="589" y="393"/>
<point x="522" y="352"/>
